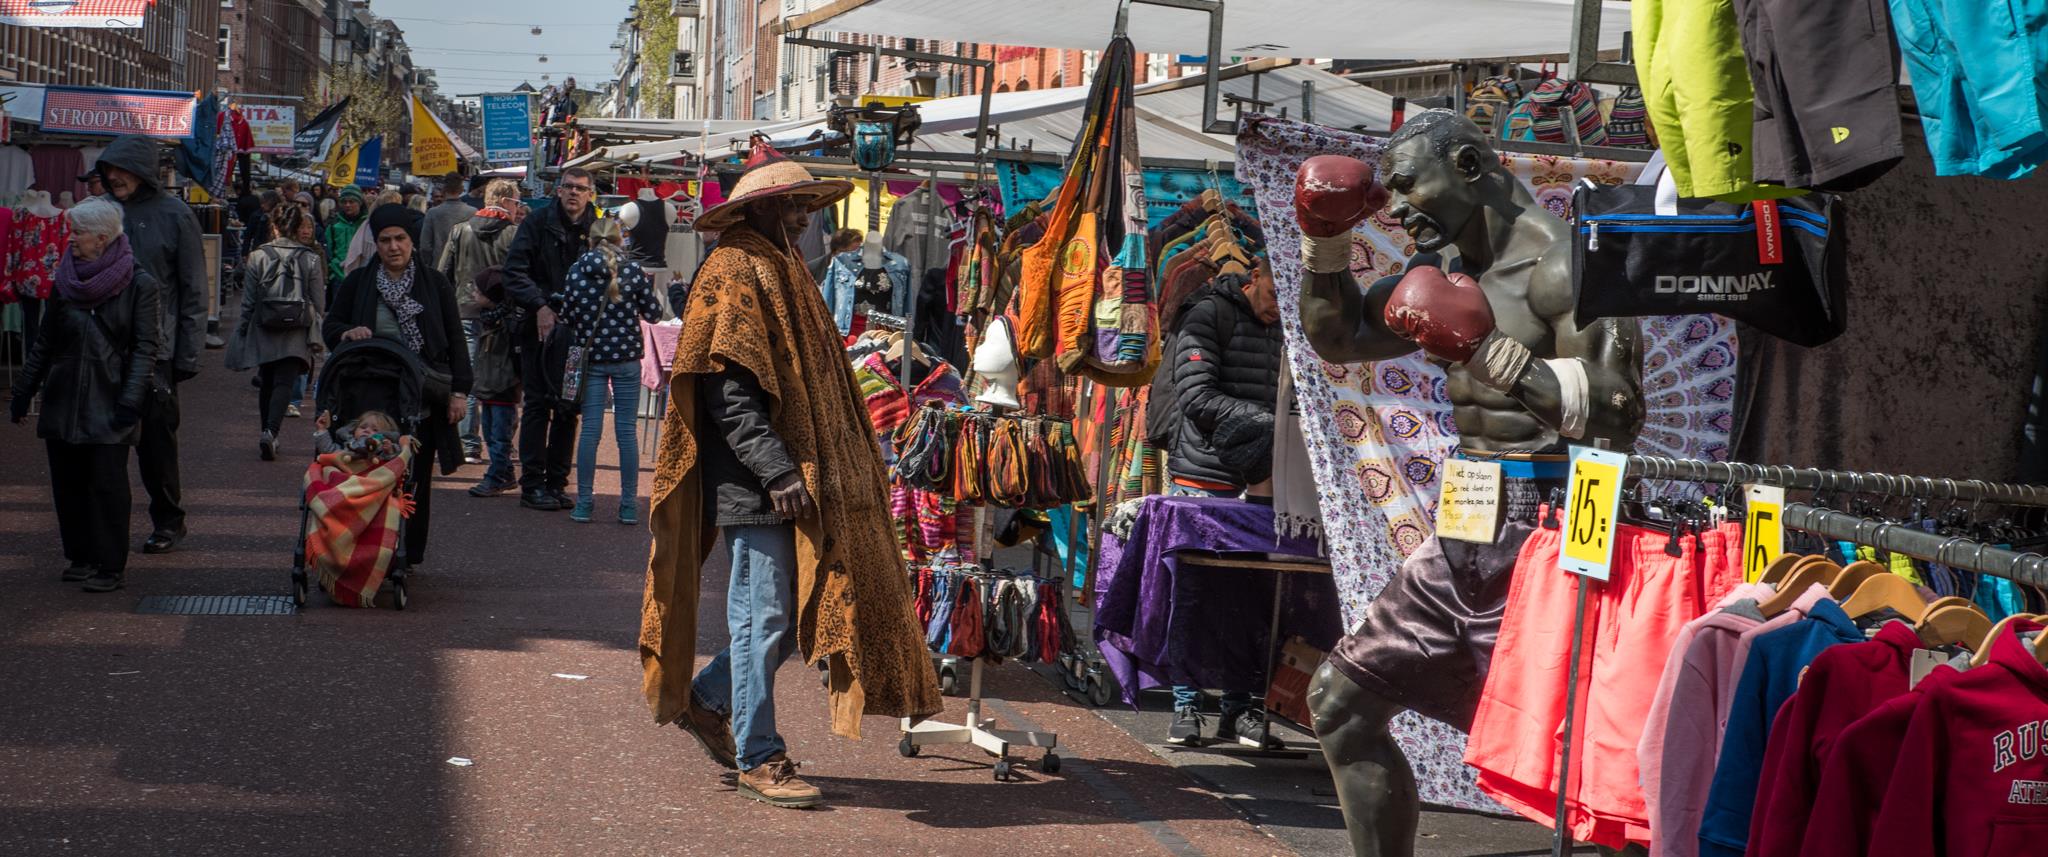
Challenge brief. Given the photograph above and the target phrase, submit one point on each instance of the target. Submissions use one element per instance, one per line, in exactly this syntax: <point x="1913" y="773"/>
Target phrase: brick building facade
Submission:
<point x="176" y="48"/>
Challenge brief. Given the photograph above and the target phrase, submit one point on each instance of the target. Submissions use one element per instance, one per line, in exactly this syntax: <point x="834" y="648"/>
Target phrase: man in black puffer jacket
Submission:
<point x="1226" y="361"/>
<point x="164" y="236"/>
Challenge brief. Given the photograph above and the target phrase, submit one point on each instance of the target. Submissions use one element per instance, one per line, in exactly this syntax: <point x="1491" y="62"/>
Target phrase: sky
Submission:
<point x="488" y="46"/>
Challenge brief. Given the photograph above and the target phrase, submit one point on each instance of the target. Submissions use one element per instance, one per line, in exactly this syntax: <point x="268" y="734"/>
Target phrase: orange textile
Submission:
<point x="1631" y="622"/>
<point x="352" y="533"/>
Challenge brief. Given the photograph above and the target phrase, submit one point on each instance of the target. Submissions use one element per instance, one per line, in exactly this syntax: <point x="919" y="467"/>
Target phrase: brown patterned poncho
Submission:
<point x="754" y="305"/>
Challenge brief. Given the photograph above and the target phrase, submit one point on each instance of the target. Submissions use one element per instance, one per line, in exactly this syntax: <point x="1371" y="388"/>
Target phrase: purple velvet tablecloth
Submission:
<point x="1160" y="623"/>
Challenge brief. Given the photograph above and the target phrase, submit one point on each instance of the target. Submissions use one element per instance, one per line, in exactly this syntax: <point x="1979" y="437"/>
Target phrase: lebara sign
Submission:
<point x="87" y="110"/>
<point x="508" y="128"/>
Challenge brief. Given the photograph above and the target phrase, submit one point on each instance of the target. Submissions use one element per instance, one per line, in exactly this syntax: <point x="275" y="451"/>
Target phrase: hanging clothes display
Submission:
<point x="920" y="227"/>
<point x="968" y="612"/>
<point x="36" y="243"/>
<point x="1977" y="71"/>
<point x="980" y="458"/>
<point x="1376" y="434"/>
<point x="928" y="525"/>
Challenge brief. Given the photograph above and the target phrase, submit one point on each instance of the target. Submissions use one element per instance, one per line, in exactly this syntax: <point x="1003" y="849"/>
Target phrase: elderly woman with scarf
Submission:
<point x="92" y="362"/>
<point x="402" y="299"/>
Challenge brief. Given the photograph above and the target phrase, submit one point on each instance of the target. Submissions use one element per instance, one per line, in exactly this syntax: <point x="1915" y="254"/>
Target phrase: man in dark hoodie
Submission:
<point x="165" y="239"/>
<point x="547" y="243"/>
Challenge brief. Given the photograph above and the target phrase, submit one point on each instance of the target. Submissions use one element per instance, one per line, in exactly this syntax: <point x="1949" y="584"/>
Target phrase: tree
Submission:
<point x="657" y="49"/>
<point x="374" y="107"/>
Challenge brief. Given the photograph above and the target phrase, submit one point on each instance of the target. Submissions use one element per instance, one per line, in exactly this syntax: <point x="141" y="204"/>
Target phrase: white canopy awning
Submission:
<point x="1352" y="29"/>
<point x="718" y="144"/>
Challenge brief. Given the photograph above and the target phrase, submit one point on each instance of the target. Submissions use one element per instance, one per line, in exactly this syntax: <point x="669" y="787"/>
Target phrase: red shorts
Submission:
<point x="1631" y="623"/>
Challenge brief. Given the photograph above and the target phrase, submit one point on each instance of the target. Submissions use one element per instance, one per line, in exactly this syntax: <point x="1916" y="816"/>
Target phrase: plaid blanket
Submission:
<point x="352" y="534"/>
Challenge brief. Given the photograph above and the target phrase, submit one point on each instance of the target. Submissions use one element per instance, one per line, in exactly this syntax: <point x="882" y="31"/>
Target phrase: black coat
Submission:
<point x="537" y="264"/>
<point x="1226" y="375"/>
<point x="442" y="349"/>
<point x="95" y="366"/>
<point x="165" y="238"/>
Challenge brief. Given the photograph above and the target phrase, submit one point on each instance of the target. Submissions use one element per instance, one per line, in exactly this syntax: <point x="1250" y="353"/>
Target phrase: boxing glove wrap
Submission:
<point x="1499" y="362"/>
<point x="1330" y="255"/>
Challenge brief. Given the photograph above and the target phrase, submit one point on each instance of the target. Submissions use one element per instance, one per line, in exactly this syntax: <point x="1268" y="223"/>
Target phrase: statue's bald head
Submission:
<point x="1445" y="131"/>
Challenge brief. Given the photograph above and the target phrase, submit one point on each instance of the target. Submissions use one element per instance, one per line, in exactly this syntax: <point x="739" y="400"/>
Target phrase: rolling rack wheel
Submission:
<point x="1050" y="764"/>
<point x="1099" y="691"/>
<point x="1004" y="771"/>
<point x="907" y="748"/>
<point x="949" y="679"/>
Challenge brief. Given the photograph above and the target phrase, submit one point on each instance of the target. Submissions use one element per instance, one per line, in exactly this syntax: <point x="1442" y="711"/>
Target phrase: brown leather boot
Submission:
<point x="713" y="733"/>
<point x="775" y="783"/>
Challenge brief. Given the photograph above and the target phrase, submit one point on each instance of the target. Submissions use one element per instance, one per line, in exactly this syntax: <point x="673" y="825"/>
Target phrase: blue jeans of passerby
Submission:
<point x="622" y="379"/>
<point x="760" y="603"/>
<point x="299" y="391"/>
<point x="469" y="429"/>
<point x="1185" y="696"/>
<point x="499" y="424"/>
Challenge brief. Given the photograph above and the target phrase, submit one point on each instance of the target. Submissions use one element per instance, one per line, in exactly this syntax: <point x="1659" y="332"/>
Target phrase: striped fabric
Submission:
<point x="1628" y="120"/>
<point x="927" y="525"/>
<point x="1547" y="106"/>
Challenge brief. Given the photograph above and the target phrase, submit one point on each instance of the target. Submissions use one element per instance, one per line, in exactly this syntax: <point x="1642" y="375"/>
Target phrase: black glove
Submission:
<point x="17" y="409"/>
<point x="125" y="417"/>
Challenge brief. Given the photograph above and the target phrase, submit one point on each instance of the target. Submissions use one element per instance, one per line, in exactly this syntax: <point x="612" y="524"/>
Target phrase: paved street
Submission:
<point x="331" y="732"/>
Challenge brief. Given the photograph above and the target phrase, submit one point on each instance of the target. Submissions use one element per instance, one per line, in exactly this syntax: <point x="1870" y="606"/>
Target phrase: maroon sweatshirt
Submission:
<point x="1841" y="686"/>
<point x="1971" y="777"/>
<point x="1857" y="772"/>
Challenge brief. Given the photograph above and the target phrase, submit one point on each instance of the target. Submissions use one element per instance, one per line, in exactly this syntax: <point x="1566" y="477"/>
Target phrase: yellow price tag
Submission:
<point x="1592" y="502"/>
<point x="1763" y="530"/>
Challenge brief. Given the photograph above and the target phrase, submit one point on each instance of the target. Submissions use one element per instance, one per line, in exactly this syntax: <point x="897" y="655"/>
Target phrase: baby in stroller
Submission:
<point x="372" y="437"/>
<point x="359" y="488"/>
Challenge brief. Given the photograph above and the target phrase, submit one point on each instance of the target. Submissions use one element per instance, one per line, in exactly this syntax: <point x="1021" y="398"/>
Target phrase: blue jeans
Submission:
<point x="499" y="423"/>
<point x="469" y="429"/>
<point x="623" y="380"/>
<point x="1185" y="696"/>
<point x="299" y="390"/>
<point x="759" y="605"/>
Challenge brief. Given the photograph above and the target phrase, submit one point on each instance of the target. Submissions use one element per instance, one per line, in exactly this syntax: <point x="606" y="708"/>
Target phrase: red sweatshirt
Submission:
<point x="1841" y="685"/>
<point x="1857" y="772"/>
<point x="1971" y="779"/>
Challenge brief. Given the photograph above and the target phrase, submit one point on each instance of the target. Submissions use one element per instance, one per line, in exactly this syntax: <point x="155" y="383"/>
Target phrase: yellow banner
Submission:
<point x="341" y="164"/>
<point x="432" y="153"/>
<point x="890" y="100"/>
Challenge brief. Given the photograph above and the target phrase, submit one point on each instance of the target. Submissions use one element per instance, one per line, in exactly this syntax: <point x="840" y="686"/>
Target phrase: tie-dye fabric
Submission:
<point x="1377" y="433"/>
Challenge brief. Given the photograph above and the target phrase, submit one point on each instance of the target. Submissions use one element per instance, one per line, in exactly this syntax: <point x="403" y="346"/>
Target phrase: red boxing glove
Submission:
<point x="1333" y="193"/>
<point x="1446" y="314"/>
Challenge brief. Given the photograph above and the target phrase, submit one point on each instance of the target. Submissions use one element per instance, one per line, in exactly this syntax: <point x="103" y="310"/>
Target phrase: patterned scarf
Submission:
<point x="397" y="295"/>
<point x="90" y="284"/>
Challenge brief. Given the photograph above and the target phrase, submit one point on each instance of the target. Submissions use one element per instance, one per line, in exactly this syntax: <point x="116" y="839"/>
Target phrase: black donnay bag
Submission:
<point x="1776" y="265"/>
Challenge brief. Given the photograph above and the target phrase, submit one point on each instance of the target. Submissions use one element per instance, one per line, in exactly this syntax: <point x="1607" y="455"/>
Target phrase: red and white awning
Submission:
<point x="106" y="14"/>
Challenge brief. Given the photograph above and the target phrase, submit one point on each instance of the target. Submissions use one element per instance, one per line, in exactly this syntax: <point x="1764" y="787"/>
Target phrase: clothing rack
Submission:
<point x="1956" y="552"/>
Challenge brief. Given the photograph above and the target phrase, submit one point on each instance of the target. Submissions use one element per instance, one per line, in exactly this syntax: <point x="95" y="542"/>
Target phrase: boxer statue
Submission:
<point x="1524" y="381"/>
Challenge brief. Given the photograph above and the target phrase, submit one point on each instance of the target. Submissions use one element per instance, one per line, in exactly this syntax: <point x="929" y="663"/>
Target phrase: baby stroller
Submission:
<point x="367" y="375"/>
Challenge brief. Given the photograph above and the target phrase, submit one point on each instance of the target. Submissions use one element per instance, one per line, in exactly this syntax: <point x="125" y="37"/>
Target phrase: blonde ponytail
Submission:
<point x="606" y="236"/>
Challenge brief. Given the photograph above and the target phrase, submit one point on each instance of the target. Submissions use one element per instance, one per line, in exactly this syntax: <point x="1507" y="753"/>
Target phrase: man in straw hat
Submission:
<point x="768" y="449"/>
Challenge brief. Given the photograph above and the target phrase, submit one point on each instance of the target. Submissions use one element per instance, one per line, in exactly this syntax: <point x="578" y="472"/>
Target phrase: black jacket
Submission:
<point x="94" y="366"/>
<point x="542" y="251"/>
<point x="1226" y="375"/>
<point x="442" y="348"/>
<point x="165" y="238"/>
<point x="738" y="449"/>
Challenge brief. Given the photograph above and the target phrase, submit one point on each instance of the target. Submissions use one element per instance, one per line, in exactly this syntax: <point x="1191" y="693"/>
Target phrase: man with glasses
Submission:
<point x="547" y="243"/>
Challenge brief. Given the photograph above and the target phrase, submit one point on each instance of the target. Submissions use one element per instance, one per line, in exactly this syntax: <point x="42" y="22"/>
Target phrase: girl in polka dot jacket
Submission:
<point x="602" y="302"/>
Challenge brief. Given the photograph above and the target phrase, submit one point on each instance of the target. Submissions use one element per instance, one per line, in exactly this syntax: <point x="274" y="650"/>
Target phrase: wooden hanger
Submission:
<point x="1882" y="591"/>
<point x="1952" y="621"/>
<point x="1808" y="572"/>
<point x="1780" y="567"/>
<point x="1853" y="576"/>
<point x="1983" y="655"/>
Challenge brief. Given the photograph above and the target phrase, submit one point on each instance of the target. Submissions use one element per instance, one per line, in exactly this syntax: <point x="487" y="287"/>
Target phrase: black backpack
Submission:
<point x="283" y="304"/>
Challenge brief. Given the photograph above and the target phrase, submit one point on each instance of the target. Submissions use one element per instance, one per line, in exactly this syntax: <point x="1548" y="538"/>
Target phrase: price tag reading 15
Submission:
<point x="1592" y="511"/>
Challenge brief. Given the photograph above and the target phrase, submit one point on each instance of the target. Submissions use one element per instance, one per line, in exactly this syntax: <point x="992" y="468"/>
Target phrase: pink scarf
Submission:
<point x="93" y="283"/>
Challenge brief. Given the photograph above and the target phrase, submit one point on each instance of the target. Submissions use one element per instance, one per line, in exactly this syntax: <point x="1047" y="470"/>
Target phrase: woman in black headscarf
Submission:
<point x="410" y="303"/>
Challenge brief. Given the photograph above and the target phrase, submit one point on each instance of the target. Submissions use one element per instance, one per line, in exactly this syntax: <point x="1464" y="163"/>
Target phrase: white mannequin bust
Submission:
<point x="629" y="215"/>
<point x="39" y="204"/>
<point x="65" y="200"/>
<point x="995" y="360"/>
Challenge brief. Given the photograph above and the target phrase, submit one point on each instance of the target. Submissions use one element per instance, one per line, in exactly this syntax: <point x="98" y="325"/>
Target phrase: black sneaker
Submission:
<point x="266" y="446"/>
<point x="76" y="572"/>
<point x="1248" y="728"/>
<point x="491" y="489"/>
<point x="103" y="581"/>
<point x="1186" y="730"/>
<point x="540" y="500"/>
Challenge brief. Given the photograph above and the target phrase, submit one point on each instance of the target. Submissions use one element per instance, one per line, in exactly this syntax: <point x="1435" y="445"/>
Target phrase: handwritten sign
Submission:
<point x="1468" y="509"/>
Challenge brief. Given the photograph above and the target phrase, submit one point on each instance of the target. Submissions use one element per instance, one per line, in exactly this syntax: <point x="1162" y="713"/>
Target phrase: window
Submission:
<point x="222" y="40"/>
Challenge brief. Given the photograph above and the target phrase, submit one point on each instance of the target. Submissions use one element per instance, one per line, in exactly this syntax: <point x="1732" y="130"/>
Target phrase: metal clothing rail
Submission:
<point x="1814" y="479"/>
<point x="1952" y="551"/>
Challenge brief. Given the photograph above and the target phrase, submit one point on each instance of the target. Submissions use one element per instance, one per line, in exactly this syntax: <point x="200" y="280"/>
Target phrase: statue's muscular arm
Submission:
<point x="1345" y="322"/>
<point x="1610" y="349"/>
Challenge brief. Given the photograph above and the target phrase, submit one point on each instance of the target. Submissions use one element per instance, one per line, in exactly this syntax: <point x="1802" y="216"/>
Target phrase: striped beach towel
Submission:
<point x="352" y="535"/>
